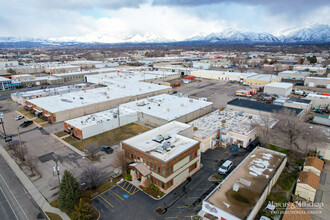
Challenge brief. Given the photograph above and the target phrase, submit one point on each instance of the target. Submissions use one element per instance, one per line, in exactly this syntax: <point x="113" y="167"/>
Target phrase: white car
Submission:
<point x="19" y="117"/>
<point x="225" y="167"/>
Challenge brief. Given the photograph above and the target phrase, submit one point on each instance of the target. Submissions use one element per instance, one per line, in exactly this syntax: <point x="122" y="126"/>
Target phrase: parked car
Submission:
<point x="19" y="117"/>
<point x="107" y="149"/>
<point x="253" y="145"/>
<point x="26" y="123"/>
<point x="225" y="167"/>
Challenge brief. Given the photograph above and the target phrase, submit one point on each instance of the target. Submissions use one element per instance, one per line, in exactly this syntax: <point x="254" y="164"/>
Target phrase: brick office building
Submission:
<point x="164" y="156"/>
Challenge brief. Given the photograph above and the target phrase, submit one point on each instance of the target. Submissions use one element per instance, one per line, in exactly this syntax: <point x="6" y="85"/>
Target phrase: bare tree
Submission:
<point x="312" y="135"/>
<point x="92" y="149"/>
<point x="264" y="126"/>
<point x="32" y="162"/>
<point x="92" y="176"/>
<point x="289" y="128"/>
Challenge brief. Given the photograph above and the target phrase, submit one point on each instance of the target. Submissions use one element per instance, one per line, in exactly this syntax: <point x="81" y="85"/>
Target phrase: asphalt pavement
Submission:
<point x="15" y="201"/>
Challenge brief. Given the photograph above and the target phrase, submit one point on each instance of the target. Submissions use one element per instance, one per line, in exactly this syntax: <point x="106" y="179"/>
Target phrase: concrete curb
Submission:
<point x="34" y="192"/>
<point x="69" y="146"/>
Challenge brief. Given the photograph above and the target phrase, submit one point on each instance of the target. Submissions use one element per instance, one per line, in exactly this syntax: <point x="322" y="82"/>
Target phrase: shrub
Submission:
<point x="160" y="193"/>
<point x="223" y="121"/>
<point x="154" y="187"/>
<point x="195" y="128"/>
<point x="250" y="117"/>
<point x="128" y="177"/>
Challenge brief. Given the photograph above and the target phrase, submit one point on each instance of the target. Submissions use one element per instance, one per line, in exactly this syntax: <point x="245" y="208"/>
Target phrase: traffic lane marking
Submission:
<point x="116" y="194"/>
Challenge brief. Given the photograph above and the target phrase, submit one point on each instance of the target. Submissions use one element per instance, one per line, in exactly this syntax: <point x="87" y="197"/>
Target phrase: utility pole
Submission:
<point x="20" y="142"/>
<point x="57" y="168"/>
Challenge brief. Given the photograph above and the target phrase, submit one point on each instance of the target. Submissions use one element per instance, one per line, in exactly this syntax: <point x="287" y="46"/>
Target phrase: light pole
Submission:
<point x="57" y="169"/>
<point x="20" y="143"/>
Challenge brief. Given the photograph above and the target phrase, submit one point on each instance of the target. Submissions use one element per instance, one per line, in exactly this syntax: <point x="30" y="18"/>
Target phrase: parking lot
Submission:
<point x="40" y="144"/>
<point x="125" y="201"/>
<point x="217" y="91"/>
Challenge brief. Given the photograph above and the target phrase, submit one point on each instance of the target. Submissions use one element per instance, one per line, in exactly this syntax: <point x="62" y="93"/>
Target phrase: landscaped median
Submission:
<point x="26" y="114"/>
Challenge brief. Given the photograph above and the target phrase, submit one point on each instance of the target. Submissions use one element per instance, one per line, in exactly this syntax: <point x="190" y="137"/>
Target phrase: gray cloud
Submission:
<point x="87" y="4"/>
<point x="277" y="6"/>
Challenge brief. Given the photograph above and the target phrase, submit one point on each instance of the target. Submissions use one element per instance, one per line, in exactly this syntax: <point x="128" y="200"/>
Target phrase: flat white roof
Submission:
<point x="264" y="77"/>
<point x="294" y="72"/>
<point x="279" y="85"/>
<point x="167" y="107"/>
<point x="88" y="97"/>
<point x="318" y="78"/>
<point x="99" y="117"/>
<point x="128" y="76"/>
<point x="238" y="122"/>
<point x="4" y="79"/>
<point x="49" y="90"/>
<point x="239" y="74"/>
<point x="178" y="143"/>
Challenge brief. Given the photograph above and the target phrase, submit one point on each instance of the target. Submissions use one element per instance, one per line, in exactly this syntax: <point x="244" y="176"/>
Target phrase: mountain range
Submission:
<point x="319" y="33"/>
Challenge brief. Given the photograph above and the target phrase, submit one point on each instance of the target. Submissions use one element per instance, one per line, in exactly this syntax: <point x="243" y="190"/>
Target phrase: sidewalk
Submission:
<point x="34" y="192"/>
<point x="69" y="145"/>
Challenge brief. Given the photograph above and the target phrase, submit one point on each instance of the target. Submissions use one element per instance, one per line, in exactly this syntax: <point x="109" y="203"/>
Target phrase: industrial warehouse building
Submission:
<point x="227" y="76"/>
<point x="97" y="123"/>
<point x="294" y="102"/>
<point x="259" y="108"/>
<point x="164" y="156"/>
<point x="293" y="75"/>
<point x="227" y="127"/>
<point x="319" y="100"/>
<point x="261" y="79"/>
<point x="131" y="76"/>
<point x="6" y="83"/>
<point x="155" y="111"/>
<point x="21" y="97"/>
<point x="161" y="109"/>
<point x="72" y="105"/>
<point x="242" y="193"/>
<point x="278" y="88"/>
<point x="317" y="82"/>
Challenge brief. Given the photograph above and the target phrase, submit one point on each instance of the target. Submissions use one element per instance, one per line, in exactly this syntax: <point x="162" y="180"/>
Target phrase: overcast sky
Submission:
<point x="173" y="19"/>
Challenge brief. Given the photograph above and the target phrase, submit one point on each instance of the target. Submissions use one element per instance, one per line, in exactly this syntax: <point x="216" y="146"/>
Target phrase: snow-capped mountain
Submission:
<point x="316" y="33"/>
<point x="319" y="33"/>
<point x="115" y="38"/>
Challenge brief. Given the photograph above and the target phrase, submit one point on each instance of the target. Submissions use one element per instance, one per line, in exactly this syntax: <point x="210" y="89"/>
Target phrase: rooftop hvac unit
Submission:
<point x="140" y="89"/>
<point x="181" y="104"/>
<point x="236" y="187"/>
<point x="160" y="149"/>
<point x="167" y="146"/>
<point x="108" y="97"/>
<point x="191" y="100"/>
<point x="167" y="109"/>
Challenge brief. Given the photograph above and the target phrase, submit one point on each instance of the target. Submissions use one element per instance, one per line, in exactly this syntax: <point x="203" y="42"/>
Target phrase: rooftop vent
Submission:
<point x="236" y="187"/>
<point x="140" y="103"/>
<point x="158" y="138"/>
<point x="167" y="109"/>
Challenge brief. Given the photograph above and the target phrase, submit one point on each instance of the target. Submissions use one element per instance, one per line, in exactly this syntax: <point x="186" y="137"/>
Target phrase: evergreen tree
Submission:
<point x="69" y="192"/>
<point x="82" y="211"/>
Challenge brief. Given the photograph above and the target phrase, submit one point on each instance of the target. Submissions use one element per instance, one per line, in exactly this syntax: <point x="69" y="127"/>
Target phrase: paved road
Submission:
<point x="15" y="202"/>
